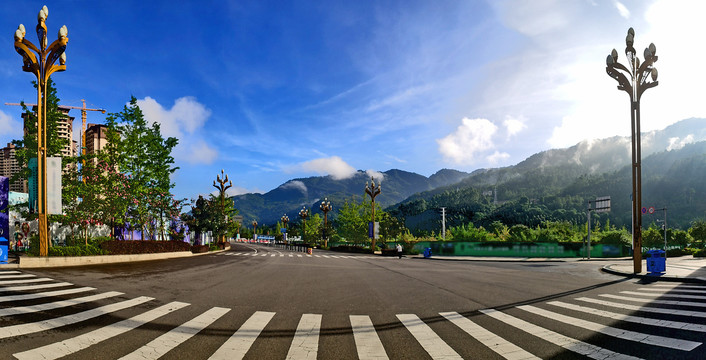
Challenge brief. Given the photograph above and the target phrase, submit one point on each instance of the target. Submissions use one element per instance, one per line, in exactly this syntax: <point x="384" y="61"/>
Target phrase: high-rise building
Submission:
<point x="64" y="130"/>
<point x="95" y="137"/>
<point x="9" y="167"/>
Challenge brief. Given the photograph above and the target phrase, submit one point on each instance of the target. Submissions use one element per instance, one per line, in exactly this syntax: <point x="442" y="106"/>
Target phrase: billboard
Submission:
<point x="4" y="218"/>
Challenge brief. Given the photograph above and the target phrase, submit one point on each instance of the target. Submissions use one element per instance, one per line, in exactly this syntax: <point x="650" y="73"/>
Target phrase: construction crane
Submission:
<point x="83" y="121"/>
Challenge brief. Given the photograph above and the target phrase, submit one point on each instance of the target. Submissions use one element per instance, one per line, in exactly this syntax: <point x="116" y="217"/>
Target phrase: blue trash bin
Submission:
<point x="656" y="262"/>
<point x="427" y="252"/>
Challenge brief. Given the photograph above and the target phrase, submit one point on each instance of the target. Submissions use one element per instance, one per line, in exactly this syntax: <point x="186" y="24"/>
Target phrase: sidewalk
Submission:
<point x="683" y="269"/>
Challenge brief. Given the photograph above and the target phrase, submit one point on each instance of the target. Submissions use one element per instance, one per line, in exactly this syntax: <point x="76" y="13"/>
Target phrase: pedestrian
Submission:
<point x="399" y="250"/>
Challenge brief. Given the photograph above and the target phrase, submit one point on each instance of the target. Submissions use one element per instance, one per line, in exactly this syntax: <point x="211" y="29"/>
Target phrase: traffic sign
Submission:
<point x="651" y="210"/>
<point x="644" y="210"/>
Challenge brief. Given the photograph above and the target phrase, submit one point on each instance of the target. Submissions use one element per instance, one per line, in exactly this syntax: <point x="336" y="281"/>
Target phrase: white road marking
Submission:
<point x="571" y="344"/>
<point x="29" y="328"/>
<point x="657" y="310"/>
<point x="70" y="346"/>
<point x="669" y="295"/>
<point x="165" y="343"/>
<point x="427" y="338"/>
<point x="34" y="287"/>
<point x="56" y="304"/>
<point x="631" y="318"/>
<point x="367" y="341"/>
<point x="673" y="290"/>
<point x="24" y="281"/>
<point x="305" y="345"/>
<point x="44" y="294"/>
<point x="655" y="340"/>
<point x="496" y="343"/>
<point x="239" y="343"/>
<point x="18" y="276"/>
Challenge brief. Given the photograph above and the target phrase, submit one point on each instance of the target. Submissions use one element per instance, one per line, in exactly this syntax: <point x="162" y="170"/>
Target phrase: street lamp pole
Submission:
<point x="373" y="191"/>
<point x="303" y="213"/>
<point x="42" y="66"/>
<point x="634" y="80"/>
<point x="285" y="220"/>
<point x="222" y="187"/>
<point x="325" y="207"/>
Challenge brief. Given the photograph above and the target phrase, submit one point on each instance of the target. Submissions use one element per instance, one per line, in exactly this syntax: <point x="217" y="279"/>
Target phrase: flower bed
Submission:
<point x="128" y="247"/>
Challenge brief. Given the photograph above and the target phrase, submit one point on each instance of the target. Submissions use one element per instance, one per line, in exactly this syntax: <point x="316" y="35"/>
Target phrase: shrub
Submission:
<point x="128" y="247"/>
<point x="700" y="253"/>
<point x="80" y="250"/>
<point x="199" y="249"/>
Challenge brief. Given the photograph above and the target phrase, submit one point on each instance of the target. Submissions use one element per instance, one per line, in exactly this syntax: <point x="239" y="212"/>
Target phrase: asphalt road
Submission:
<point x="259" y="302"/>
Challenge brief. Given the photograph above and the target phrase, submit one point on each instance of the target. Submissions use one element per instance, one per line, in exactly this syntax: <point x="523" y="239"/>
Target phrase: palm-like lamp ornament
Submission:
<point x="634" y="80"/>
<point x="325" y="207"/>
<point x="373" y="191"/>
<point x="222" y="184"/>
<point x="40" y="61"/>
<point x="303" y="213"/>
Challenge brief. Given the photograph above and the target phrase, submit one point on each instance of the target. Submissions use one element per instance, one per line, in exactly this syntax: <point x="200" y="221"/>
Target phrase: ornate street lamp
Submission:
<point x="303" y="213"/>
<point x="40" y="62"/>
<point x="373" y="191"/>
<point x="222" y="187"/>
<point x="325" y="207"/>
<point x="254" y="229"/>
<point x="285" y="220"/>
<point x="634" y="80"/>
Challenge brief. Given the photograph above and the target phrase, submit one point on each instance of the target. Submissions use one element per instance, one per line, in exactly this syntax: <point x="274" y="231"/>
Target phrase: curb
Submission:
<point x="668" y="278"/>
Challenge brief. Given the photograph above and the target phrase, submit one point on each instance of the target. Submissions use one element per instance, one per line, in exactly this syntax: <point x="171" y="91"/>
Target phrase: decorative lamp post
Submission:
<point x="254" y="229"/>
<point x="40" y="61"/>
<point x="373" y="191"/>
<point x="222" y="187"/>
<point x="303" y="213"/>
<point x="285" y="220"/>
<point x="325" y="207"/>
<point x="634" y="80"/>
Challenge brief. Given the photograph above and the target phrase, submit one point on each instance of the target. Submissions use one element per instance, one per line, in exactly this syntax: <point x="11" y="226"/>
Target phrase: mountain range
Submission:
<point x="588" y="169"/>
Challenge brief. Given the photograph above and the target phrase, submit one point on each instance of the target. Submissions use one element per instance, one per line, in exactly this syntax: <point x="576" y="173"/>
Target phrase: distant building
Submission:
<point x="9" y="167"/>
<point x="64" y="130"/>
<point x="95" y="137"/>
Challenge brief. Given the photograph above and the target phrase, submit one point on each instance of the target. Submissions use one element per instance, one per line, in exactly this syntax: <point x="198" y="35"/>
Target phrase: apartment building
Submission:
<point x="64" y="130"/>
<point x="9" y="167"/>
<point x="95" y="137"/>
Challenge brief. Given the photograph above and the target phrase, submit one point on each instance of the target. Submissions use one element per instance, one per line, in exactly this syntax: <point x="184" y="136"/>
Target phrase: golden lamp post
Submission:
<point x="285" y="220"/>
<point x="41" y="62"/>
<point x="303" y="213"/>
<point x="223" y="185"/>
<point x="325" y="207"/>
<point x="373" y="191"/>
<point x="634" y="80"/>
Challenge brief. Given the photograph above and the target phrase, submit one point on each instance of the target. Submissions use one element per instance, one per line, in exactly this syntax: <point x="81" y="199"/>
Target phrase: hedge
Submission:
<point x="129" y="247"/>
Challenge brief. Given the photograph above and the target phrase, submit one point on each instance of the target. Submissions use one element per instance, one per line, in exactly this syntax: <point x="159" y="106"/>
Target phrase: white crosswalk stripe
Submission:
<point x="24" y="281"/>
<point x="33" y="287"/>
<point x="17" y="276"/>
<point x="163" y="344"/>
<point x="488" y="327"/>
<point x="68" y="347"/>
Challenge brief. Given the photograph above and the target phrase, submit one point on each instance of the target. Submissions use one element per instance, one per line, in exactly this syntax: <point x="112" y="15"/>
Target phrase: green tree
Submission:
<point x="698" y="233"/>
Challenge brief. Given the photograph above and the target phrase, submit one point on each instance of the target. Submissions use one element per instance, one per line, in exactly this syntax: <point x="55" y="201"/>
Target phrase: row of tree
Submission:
<point x="126" y="185"/>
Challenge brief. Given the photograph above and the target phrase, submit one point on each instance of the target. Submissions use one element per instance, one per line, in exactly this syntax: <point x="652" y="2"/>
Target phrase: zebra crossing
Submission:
<point x="656" y="308"/>
<point x="299" y="255"/>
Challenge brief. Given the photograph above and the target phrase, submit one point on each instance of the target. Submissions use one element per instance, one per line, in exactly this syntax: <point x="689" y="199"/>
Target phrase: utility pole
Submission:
<point x="443" y="223"/>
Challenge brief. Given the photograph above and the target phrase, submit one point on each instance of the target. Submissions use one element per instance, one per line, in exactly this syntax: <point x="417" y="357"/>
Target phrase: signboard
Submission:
<point x="54" y="185"/>
<point x="4" y="219"/>
<point x="602" y="204"/>
<point x="373" y="230"/>
<point x="32" y="185"/>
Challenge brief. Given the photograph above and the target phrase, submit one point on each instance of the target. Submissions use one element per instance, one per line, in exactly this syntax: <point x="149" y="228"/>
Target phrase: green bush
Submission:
<point x="700" y="253"/>
<point x="81" y="250"/>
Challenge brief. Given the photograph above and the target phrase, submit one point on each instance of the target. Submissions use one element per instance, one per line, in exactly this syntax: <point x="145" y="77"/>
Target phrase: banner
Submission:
<point x="4" y="218"/>
<point x="54" y="186"/>
<point x="33" y="186"/>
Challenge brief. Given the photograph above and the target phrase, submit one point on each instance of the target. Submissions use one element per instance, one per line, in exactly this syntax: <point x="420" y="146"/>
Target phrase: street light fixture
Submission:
<point x="285" y="220"/>
<point x="303" y="213"/>
<point x="634" y="80"/>
<point x="373" y="191"/>
<point x="42" y="65"/>
<point x="254" y="229"/>
<point x="222" y="187"/>
<point x="325" y="207"/>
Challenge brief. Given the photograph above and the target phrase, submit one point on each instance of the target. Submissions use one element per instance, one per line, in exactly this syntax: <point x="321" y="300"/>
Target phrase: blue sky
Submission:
<point x="274" y="90"/>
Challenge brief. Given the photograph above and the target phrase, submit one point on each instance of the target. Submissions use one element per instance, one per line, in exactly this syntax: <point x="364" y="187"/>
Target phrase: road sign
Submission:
<point x="644" y="210"/>
<point x="651" y="210"/>
<point x="602" y="204"/>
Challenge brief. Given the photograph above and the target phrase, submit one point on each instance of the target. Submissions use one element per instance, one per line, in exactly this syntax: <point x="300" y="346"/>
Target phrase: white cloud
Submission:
<point x="9" y="127"/>
<point x="334" y="166"/>
<point x="513" y="126"/>
<point x="497" y="157"/>
<point x="183" y="121"/>
<point x="624" y="12"/>
<point x="471" y="137"/>
<point x="676" y="143"/>
<point x="296" y="184"/>
<point x="376" y="175"/>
